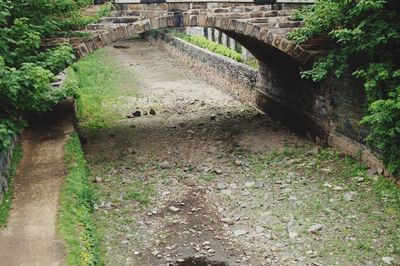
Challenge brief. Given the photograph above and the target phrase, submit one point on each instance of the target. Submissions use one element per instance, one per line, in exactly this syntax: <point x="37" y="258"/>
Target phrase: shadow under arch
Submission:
<point x="281" y="93"/>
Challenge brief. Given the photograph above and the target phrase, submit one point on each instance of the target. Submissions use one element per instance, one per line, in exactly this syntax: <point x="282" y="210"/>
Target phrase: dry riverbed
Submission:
<point x="187" y="174"/>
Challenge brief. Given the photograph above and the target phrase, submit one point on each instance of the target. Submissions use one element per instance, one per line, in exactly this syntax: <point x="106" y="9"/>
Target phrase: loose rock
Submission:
<point x="315" y="228"/>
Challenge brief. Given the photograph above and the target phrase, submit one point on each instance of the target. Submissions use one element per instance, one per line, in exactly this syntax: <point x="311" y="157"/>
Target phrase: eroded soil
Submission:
<point x="200" y="175"/>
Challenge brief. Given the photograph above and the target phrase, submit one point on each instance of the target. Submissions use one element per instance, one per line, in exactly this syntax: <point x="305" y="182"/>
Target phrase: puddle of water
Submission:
<point x="200" y="262"/>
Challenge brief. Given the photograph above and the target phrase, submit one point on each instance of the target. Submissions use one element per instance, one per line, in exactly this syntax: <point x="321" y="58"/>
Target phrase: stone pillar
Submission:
<point x="246" y="55"/>
<point x="217" y="36"/>
<point x="224" y="39"/>
<point x="233" y="44"/>
<point x="210" y="34"/>
<point x="195" y="31"/>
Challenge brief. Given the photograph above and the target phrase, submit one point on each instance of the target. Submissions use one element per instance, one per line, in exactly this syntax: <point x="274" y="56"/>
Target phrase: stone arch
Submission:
<point x="103" y="35"/>
<point x="281" y="92"/>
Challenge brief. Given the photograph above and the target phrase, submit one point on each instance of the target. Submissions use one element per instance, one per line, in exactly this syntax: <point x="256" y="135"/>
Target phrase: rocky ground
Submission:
<point x="187" y="175"/>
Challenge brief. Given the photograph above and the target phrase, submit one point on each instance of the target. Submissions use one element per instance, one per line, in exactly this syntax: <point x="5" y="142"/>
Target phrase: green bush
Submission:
<point x="26" y="70"/>
<point x="367" y="37"/>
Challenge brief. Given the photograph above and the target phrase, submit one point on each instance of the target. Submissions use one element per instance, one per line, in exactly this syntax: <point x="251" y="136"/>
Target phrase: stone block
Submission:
<point x="255" y="32"/>
<point x="241" y="26"/>
<point x="277" y="40"/>
<point x="232" y="24"/>
<point x="90" y="45"/>
<point x="138" y="26"/>
<point x="178" y="6"/>
<point x="248" y="29"/>
<point x="202" y="20"/>
<point x="155" y="24"/>
<point x="217" y="22"/>
<point x="210" y="22"/>
<point x="105" y="35"/>
<point x="146" y="25"/>
<point x="193" y="21"/>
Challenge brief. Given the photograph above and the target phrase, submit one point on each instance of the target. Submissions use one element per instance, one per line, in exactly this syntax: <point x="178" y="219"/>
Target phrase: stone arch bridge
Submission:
<point x="324" y="111"/>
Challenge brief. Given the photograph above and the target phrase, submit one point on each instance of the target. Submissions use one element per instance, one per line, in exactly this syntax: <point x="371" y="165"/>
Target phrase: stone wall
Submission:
<point x="236" y="79"/>
<point x="329" y="113"/>
<point x="238" y="71"/>
<point x="5" y="160"/>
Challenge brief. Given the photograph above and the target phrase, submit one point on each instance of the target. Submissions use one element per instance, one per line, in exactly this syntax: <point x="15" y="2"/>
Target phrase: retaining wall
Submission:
<point x="5" y="160"/>
<point x="332" y="105"/>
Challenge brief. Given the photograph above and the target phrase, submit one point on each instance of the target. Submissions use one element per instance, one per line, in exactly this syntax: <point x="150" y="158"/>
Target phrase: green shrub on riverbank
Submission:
<point x="367" y="38"/>
<point x="26" y="69"/>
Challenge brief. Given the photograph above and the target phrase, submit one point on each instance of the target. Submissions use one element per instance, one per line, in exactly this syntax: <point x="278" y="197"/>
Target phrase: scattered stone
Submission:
<point x="372" y="171"/>
<point x="98" y="180"/>
<point x="379" y="171"/>
<point x="221" y="185"/>
<point x="180" y="260"/>
<point x="348" y="196"/>
<point x="359" y="179"/>
<point x="213" y="117"/>
<point x="238" y="162"/>
<point x="218" y="171"/>
<point x="173" y="209"/>
<point x="259" y="184"/>
<point x="228" y="221"/>
<point x="130" y="150"/>
<point x="291" y="226"/>
<point x="314" y="151"/>
<point x="136" y="253"/>
<point x="315" y="228"/>
<point x="250" y="184"/>
<point x="165" y="165"/>
<point x="240" y="232"/>
<point x="233" y="186"/>
<point x="388" y="260"/>
<point x="259" y="229"/>
<point x="152" y="111"/>
<point x="245" y="193"/>
<point x="338" y="188"/>
<point x="136" y="113"/>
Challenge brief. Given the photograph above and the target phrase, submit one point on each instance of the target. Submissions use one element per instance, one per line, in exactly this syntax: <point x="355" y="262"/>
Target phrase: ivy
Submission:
<point x="27" y="70"/>
<point x="367" y="38"/>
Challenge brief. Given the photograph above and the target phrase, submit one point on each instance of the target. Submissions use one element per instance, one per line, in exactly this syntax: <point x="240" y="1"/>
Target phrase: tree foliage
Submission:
<point x="27" y="70"/>
<point x="367" y="37"/>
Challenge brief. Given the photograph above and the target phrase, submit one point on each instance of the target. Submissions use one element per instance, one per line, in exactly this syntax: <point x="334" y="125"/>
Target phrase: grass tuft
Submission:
<point x="96" y="81"/>
<point x="75" y="222"/>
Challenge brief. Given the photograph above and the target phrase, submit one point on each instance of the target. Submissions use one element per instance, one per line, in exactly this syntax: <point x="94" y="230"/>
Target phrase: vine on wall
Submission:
<point x="367" y="37"/>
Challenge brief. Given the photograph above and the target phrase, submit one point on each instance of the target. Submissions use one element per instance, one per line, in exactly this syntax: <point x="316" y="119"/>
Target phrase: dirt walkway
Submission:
<point x="30" y="236"/>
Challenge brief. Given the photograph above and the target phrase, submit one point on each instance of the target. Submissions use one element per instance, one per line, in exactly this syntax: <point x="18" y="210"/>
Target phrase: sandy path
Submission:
<point x="30" y="237"/>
